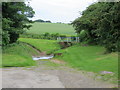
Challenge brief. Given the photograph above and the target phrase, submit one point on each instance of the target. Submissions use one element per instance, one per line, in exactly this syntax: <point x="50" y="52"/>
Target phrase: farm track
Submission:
<point x="44" y="76"/>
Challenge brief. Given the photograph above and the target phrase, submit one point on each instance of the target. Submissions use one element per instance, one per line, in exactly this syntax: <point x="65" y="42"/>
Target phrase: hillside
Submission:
<point x="39" y="28"/>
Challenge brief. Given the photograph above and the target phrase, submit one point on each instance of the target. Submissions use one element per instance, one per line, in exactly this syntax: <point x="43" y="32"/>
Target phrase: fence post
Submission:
<point x="70" y="39"/>
<point x="57" y="39"/>
<point x="78" y="39"/>
<point x="60" y="38"/>
<point x="67" y="39"/>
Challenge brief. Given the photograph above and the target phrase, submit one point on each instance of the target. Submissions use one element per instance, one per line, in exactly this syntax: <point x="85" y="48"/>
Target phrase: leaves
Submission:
<point x="14" y="19"/>
<point x="101" y="21"/>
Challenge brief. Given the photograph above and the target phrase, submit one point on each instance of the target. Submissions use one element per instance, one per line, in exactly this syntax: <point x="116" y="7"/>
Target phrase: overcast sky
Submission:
<point x="59" y="10"/>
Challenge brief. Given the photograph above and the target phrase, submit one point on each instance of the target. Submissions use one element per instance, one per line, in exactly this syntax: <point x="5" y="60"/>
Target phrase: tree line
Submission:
<point x="99" y="25"/>
<point x="48" y="36"/>
<point x="43" y="21"/>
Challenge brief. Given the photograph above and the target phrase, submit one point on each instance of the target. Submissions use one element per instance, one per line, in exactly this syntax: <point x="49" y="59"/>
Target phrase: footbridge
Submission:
<point x="68" y="39"/>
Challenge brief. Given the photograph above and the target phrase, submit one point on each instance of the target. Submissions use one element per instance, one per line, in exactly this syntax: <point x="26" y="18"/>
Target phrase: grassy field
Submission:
<point x="42" y="44"/>
<point x="39" y="28"/>
<point x="18" y="55"/>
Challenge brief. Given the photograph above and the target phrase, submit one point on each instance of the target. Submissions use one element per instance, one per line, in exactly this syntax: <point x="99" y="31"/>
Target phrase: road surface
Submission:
<point x="44" y="76"/>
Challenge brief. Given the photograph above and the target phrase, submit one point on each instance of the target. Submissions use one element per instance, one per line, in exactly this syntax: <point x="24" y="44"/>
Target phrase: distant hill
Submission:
<point x="42" y="21"/>
<point x="40" y="28"/>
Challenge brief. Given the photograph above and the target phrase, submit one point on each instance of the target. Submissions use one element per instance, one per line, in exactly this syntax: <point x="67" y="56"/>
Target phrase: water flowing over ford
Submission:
<point x="42" y="57"/>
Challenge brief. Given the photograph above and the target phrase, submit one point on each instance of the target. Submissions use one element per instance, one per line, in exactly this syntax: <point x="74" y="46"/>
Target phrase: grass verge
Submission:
<point x="0" y="56"/>
<point x="18" y="55"/>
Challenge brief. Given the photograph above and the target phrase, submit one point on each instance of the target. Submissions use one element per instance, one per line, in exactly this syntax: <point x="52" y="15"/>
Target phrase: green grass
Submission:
<point x="40" y="28"/>
<point x="42" y="44"/>
<point x="18" y="55"/>
<point x="0" y="56"/>
<point x="90" y="58"/>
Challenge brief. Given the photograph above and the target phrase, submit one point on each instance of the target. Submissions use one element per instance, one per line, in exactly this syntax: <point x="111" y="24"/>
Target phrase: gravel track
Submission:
<point x="43" y="76"/>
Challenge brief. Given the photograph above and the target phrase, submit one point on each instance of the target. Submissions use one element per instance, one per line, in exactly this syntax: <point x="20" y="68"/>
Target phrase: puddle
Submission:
<point x="43" y="57"/>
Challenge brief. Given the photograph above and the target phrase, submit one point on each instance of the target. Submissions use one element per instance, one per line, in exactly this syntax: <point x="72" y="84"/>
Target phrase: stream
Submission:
<point x="42" y="57"/>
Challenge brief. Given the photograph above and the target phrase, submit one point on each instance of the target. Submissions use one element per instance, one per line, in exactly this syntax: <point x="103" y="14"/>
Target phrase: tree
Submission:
<point x="42" y="21"/>
<point x="39" y="20"/>
<point x="101" y="23"/>
<point x="48" y="21"/>
<point x="14" y="19"/>
<point x="109" y="27"/>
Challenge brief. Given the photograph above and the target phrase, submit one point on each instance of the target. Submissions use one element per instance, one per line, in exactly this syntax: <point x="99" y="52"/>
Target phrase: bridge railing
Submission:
<point x="68" y="39"/>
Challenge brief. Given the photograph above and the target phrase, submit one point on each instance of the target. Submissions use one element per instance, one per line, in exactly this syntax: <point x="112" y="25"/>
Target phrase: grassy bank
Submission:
<point x="44" y="45"/>
<point x="40" y="28"/>
<point x="18" y="55"/>
<point x="90" y="58"/>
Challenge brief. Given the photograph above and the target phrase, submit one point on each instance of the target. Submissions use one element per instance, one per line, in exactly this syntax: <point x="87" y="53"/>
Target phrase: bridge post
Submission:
<point x="70" y="39"/>
<point x="58" y="39"/>
<point x="76" y="39"/>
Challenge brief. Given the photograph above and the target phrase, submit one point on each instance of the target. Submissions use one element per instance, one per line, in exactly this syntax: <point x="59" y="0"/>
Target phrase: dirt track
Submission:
<point x="45" y="76"/>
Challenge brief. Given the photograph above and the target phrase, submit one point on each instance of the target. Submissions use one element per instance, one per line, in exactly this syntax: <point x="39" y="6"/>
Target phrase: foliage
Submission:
<point x="48" y="36"/>
<point x="42" y="21"/>
<point x="14" y="20"/>
<point x="83" y="36"/>
<point x="101" y="21"/>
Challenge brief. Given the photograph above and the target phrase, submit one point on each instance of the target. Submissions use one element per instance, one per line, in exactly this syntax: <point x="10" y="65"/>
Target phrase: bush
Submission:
<point x="101" y="22"/>
<point x="83" y="36"/>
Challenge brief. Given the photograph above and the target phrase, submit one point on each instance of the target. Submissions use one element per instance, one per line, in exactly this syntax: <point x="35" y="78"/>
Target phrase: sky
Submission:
<point x="63" y="11"/>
